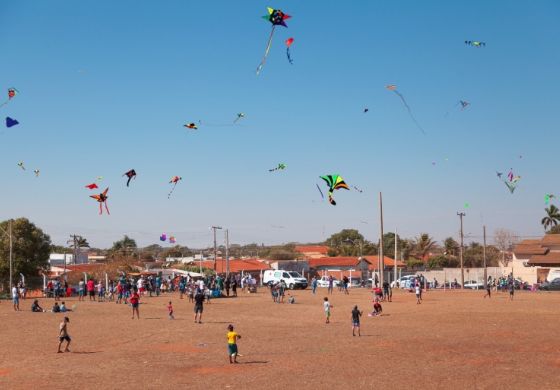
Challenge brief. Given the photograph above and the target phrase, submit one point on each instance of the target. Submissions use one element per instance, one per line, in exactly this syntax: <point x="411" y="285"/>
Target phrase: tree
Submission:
<point x="552" y="217"/>
<point x="423" y="245"/>
<point x="451" y="246"/>
<point x="31" y="248"/>
<point x="473" y="255"/>
<point x="124" y="246"/>
<point x="505" y="240"/>
<point x="443" y="261"/>
<point x="349" y="242"/>
<point x="389" y="244"/>
<point x="554" y="230"/>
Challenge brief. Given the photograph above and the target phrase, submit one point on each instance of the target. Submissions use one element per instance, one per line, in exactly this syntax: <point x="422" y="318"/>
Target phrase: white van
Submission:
<point x="553" y="274"/>
<point x="292" y="279"/>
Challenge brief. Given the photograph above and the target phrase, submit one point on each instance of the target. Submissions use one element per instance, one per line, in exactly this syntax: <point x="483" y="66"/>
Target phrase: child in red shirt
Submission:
<point x="135" y="301"/>
<point x="170" y="309"/>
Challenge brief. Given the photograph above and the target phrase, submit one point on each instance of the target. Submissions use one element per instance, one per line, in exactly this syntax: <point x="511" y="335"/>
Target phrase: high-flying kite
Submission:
<point x="92" y="186"/>
<point x="163" y="237"/>
<point x="280" y="167"/>
<point x="131" y="175"/>
<point x="12" y="92"/>
<point x="464" y="104"/>
<point x="10" y="122"/>
<point x="393" y="88"/>
<point x="21" y="165"/>
<point x="191" y="126"/>
<point x="335" y="182"/>
<point x="289" y="43"/>
<point x="36" y="172"/>
<point x="172" y="240"/>
<point x="548" y="198"/>
<point x="475" y="43"/>
<point x="239" y="116"/>
<point x="511" y="181"/>
<point x="366" y="110"/>
<point x="174" y="180"/>
<point x="277" y="18"/>
<point x="102" y="200"/>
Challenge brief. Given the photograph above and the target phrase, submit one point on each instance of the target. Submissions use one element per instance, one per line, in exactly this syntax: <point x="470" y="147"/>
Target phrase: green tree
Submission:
<point x="124" y="247"/>
<point x="349" y="242"/>
<point x="389" y="245"/>
<point x="552" y="217"/>
<point x="451" y="246"/>
<point x="443" y="261"/>
<point x="31" y="249"/>
<point x="423" y="245"/>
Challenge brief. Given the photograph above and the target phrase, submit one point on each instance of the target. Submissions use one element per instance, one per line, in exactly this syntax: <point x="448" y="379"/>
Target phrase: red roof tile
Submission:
<point x="550" y="258"/>
<point x="322" y="249"/>
<point x="529" y="249"/>
<point x="236" y="265"/>
<point x="551" y="239"/>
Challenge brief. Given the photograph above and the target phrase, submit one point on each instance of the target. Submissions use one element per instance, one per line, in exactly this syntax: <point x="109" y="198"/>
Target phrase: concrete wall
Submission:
<point x="477" y="274"/>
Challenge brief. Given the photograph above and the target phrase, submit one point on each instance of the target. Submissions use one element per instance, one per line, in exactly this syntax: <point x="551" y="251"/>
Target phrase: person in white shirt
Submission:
<point x="327" y="307"/>
<point x="417" y="291"/>
<point x="15" y="298"/>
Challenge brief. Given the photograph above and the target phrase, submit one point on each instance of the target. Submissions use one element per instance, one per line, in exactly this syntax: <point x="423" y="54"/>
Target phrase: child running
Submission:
<point x="488" y="287"/>
<point x="63" y="335"/>
<point x="356" y="314"/>
<point x="327" y="307"/>
<point x="170" y="309"/>
<point x="232" y="338"/>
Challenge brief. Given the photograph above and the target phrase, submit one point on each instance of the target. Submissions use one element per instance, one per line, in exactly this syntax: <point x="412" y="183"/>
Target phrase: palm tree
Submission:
<point x="423" y="245"/>
<point x="450" y="246"/>
<point x="124" y="245"/>
<point x="552" y="217"/>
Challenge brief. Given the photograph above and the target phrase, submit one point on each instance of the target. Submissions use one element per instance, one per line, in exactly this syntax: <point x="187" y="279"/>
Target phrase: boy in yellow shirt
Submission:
<point x="232" y="338"/>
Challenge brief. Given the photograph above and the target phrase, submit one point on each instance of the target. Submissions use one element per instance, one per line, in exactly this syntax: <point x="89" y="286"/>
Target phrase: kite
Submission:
<point x="174" y="180"/>
<point x="335" y="182"/>
<point x="393" y="88"/>
<point x="475" y="43"/>
<point x="131" y="175"/>
<point x="36" y="172"/>
<point x="12" y="92"/>
<point x="499" y="174"/>
<point x="99" y="178"/>
<point x="366" y="110"/>
<point x="511" y="181"/>
<point x="467" y="205"/>
<point x="172" y="240"/>
<point x="20" y="164"/>
<point x="321" y="192"/>
<point x="163" y="237"/>
<point x="102" y="199"/>
<point x="548" y="198"/>
<point x="280" y="167"/>
<point x="92" y="186"/>
<point x="11" y="122"/>
<point x="464" y="104"/>
<point x="239" y="116"/>
<point x="277" y="18"/>
<point x="289" y="42"/>
<point x="191" y="126"/>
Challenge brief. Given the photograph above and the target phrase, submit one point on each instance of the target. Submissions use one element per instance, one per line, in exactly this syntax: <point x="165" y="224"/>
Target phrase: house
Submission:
<point x="58" y="259"/>
<point x="312" y="251"/>
<point x="238" y="266"/>
<point x="352" y="267"/>
<point x="535" y="261"/>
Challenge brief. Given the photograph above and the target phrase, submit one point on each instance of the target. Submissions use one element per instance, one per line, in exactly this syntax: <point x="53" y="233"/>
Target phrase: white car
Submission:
<point x="292" y="279"/>
<point x="324" y="282"/>
<point x="404" y="281"/>
<point x="474" y="285"/>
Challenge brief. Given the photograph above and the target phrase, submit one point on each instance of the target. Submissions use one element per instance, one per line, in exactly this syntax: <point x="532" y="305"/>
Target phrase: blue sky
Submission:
<point x="105" y="86"/>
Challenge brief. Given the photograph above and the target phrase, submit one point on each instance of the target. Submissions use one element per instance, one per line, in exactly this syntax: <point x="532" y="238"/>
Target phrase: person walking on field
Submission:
<point x="232" y="338"/>
<point x="488" y="287"/>
<point x="15" y="298"/>
<point x="135" y="302"/>
<point x="418" y="291"/>
<point x="198" y="306"/>
<point x="511" y="290"/>
<point x="327" y="307"/>
<point x="356" y="314"/>
<point x="331" y="284"/>
<point x="63" y="335"/>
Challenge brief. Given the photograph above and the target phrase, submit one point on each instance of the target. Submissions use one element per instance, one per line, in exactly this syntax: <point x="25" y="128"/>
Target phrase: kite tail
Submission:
<point x="259" y="68"/>
<point x="289" y="56"/>
<point x="107" y="208"/>
<point x="409" y="111"/>
<point x="128" y="181"/>
<point x="170" y="192"/>
<point x="100" y="209"/>
<point x="321" y="192"/>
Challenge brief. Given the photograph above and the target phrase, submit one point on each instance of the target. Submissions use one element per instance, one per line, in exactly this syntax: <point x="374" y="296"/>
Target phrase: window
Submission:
<point x="295" y="275"/>
<point x="286" y="275"/>
<point x="277" y="274"/>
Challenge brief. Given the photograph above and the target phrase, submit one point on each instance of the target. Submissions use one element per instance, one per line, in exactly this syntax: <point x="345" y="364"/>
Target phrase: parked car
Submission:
<point x="403" y="281"/>
<point x="551" y="286"/>
<point x="474" y="285"/>
<point x="292" y="279"/>
<point x="324" y="282"/>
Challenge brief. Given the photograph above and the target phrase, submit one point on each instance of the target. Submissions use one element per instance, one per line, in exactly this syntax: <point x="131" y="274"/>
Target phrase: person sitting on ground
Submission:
<point x="56" y="308"/>
<point x="35" y="308"/>
<point x="377" y="309"/>
<point x="63" y="308"/>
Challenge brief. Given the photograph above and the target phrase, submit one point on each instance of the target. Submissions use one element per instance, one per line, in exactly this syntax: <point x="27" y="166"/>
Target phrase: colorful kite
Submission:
<point x="172" y="240"/>
<point x="174" y="180"/>
<point x="280" y="167"/>
<point x="239" y="116"/>
<point x="131" y="175"/>
<point x="335" y="182"/>
<point x="12" y="92"/>
<point x="102" y="200"/>
<point x="163" y="237"/>
<point x="11" y="122"/>
<point x="36" y="172"/>
<point x="289" y="43"/>
<point x="393" y="88"/>
<point x="511" y="181"/>
<point x="277" y="18"/>
<point x="475" y="43"/>
<point x="20" y="164"/>
<point x="92" y="186"/>
<point x="191" y="126"/>
<point x="548" y="198"/>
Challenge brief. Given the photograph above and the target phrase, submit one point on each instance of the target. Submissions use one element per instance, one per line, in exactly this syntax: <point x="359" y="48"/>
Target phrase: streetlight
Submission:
<point x="9" y="233"/>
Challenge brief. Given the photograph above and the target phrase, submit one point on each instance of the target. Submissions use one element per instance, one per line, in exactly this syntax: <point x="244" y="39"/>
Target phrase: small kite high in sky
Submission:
<point x="277" y="18"/>
<point x="131" y="175"/>
<point x="163" y="237"/>
<point x="321" y="192"/>
<point x="475" y="43"/>
<point x="36" y="172"/>
<point x="464" y="104"/>
<point x="92" y="186"/>
<point x="366" y="110"/>
<point x="102" y="200"/>
<point x="174" y="180"/>
<point x="289" y="43"/>
<point x="548" y="198"/>
<point x="240" y="115"/>
<point x="393" y="88"/>
<point x="191" y="126"/>
<point x="172" y="240"/>
<point x="335" y="182"/>
<point x="511" y="181"/>
<point x="21" y="165"/>
<point x="280" y="167"/>
<point x="10" y="122"/>
<point x="357" y="189"/>
<point x="12" y="92"/>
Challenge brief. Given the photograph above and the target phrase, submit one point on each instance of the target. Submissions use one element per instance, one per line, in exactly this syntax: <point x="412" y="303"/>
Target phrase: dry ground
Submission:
<point x="452" y="340"/>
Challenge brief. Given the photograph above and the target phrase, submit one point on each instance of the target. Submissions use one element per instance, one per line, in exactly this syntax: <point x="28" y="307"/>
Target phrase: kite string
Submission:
<point x="268" y="45"/>
<point x="409" y="110"/>
<point x="173" y="189"/>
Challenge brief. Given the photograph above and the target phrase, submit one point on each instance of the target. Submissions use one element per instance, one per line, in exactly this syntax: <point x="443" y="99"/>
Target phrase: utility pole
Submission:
<point x="461" y="215"/>
<point x="215" y="246"/>
<point x="227" y="254"/>
<point x="11" y="253"/>
<point x="381" y="258"/>
<point x="395" y="257"/>
<point x="484" y="257"/>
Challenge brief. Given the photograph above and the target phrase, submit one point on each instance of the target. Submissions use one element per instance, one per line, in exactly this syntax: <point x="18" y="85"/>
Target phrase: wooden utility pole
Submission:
<point x="484" y="257"/>
<point x="461" y="215"/>
<point x="381" y="266"/>
<point x="215" y="246"/>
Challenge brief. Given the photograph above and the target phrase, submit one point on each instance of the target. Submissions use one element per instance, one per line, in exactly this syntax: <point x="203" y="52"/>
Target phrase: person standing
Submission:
<point x="91" y="289"/>
<point x="81" y="289"/>
<point x="227" y="285"/>
<point x="331" y="285"/>
<point x="488" y="287"/>
<point x="15" y="298"/>
<point x="232" y="338"/>
<point x="198" y="306"/>
<point x="418" y="291"/>
<point x="356" y="314"/>
<point x="135" y="302"/>
<point x="170" y="310"/>
<point x="327" y="308"/>
<point x="234" y="286"/>
<point x="63" y="335"/>
<point x="386" y="290"/>
<point x="511" y="290"/>
<point x="314" y="285"/>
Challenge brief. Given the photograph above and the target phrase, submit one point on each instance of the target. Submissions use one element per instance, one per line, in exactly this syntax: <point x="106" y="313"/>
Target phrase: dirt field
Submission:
<point x="452" y="340"/>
